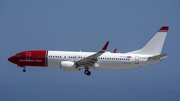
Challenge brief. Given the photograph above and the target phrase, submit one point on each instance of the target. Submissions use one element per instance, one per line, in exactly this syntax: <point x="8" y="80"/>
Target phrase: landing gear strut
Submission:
<point x="24" y="70"/>
<point x="87" y="72"/>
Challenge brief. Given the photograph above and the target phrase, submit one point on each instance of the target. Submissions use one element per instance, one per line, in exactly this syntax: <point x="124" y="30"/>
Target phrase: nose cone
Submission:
<point x="14" y="60"/>
<point x="10" y="59"/>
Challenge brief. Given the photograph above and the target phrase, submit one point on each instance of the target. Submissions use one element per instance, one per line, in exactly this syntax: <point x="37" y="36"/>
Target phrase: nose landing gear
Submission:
<point x="87" y="72"/>
<point x="24" y="69"/>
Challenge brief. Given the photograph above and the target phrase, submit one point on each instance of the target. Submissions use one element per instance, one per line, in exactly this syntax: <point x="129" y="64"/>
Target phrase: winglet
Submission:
<point x="105" y="46"/>
<point x="115" y="50"/>
<point x="164" y="29"/>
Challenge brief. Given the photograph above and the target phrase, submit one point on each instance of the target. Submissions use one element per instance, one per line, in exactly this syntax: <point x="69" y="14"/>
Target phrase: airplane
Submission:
<point x="75" y="61"/>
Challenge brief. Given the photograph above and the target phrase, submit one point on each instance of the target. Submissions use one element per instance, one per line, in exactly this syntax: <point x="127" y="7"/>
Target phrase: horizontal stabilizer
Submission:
<point x="158" y="56"/>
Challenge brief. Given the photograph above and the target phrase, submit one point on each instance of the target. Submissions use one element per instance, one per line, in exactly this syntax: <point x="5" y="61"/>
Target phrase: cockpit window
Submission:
<point x="17" y="55"/>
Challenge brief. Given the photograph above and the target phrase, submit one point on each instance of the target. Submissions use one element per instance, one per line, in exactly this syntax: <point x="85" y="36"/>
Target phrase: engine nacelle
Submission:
<point x="68" y="66"/>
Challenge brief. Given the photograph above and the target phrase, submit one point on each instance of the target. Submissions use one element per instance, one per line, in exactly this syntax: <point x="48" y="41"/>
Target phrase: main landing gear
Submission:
<point x="87" y="72"/>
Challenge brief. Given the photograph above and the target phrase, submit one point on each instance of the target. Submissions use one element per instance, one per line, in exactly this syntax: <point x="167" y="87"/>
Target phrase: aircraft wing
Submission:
<point x="115" y="50"/>
<point x="92" y="59"/>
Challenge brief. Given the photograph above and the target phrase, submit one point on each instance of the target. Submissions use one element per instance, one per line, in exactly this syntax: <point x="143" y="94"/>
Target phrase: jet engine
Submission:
<point x="68" y="66"/>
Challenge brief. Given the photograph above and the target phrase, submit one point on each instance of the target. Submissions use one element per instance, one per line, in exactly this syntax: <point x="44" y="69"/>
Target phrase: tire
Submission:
<point x="24" y="70"/>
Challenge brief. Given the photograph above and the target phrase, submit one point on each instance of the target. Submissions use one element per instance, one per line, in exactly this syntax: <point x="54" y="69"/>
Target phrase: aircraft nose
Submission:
<point x="10" y="59"/>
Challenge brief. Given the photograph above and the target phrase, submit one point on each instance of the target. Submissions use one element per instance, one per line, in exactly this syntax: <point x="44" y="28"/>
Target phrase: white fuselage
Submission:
<point x="107" y="60"/>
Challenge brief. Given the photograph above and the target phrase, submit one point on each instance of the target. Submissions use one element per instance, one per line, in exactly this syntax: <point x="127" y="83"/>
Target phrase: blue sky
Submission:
<point x="87" y="25"/>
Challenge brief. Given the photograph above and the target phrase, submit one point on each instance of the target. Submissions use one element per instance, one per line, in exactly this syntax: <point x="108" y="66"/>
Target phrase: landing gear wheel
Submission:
<point x="24" y="70"/>
<point x="87" y="72"/>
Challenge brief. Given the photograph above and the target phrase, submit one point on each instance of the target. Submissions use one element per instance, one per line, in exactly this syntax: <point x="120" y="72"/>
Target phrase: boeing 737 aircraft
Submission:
<point x="75" y="61"/>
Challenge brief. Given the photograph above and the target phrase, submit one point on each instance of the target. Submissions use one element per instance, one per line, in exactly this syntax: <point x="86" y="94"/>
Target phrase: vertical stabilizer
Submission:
<point x="155" y="44"/>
